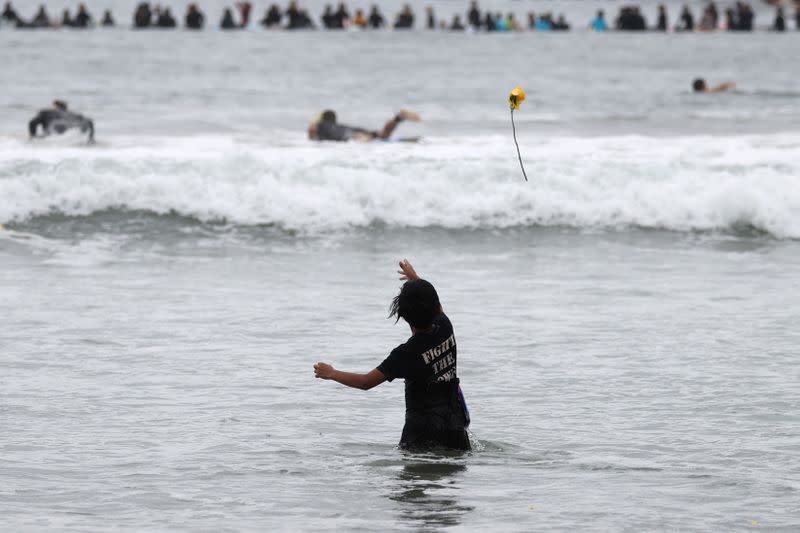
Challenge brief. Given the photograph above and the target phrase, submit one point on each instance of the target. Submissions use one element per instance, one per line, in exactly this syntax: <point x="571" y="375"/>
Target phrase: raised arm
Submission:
<point x="407" y="273"/>
<point x="351" y="379"/>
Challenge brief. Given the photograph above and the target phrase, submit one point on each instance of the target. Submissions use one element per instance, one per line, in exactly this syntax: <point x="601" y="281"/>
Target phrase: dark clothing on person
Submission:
<point x="474" y="17"/>
<point x="166" y="20"/>
<point x="630" y="19"/>
<point x="490" y="23"/>
<point x="143" y="17"/>
<point x="66" y="20"/>
<point x="108" y="20"/>
<point x="273" y="17"/>
<point x="710" y="18"/>
<point x="298" y="19"/>
<point x="376" y="20"/>
<point x="227" y="21"/>
<point x="662" y="21"/>
<point x="780" y="21"/>
<point x="194" y="18"/>
<point x="436" y="414"/>
<point x="327" y="18"/>
<point x="561" y="24"/>
<point x="58" y="121"/>
<point x="342" y="17"/>
<point x="405" y="20"/>
<point x="730" y="20"/>
<point x="83" y="19"/>
<point x="331" y="131"/>
<point x="9" y="15"/>
<point x="41" y="20"/>
<point x="746" y="16"/>
<point x="687" y="20"/>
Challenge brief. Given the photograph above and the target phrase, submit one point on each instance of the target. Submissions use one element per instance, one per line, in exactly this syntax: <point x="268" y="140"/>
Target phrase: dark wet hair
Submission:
<point x="328" y="116"/>
<point x="699" y="85"/>
<point x="417" y="304"/>
<point x="60" y="104"/>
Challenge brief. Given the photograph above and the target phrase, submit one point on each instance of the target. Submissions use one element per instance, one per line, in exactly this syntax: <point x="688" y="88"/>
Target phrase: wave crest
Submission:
<point x="680" y="184"/>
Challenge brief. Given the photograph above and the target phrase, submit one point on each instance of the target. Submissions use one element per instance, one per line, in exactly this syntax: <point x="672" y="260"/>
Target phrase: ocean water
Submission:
<point x="626" y="320"/>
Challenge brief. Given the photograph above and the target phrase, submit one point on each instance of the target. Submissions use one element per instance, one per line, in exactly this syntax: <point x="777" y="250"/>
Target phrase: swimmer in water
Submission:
<point x="326" y="128"/>
<point x="699" y="86"/>
<point x="436" y="414"/>
<point x="58" y="119"/>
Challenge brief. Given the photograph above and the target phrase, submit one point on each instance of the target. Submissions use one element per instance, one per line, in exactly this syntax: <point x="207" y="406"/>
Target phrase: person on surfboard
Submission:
<point x="326" y="128"/>
<point x="59" y="119"/>
<point x="436" y="413"/>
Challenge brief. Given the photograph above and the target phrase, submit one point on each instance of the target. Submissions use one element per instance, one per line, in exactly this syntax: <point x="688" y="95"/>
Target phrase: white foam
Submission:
<point x="682" y="184"/>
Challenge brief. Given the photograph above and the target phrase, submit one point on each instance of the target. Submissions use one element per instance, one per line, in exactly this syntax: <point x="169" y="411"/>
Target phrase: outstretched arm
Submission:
<point x="351" y="379"/>
<point x="722" y="87"/>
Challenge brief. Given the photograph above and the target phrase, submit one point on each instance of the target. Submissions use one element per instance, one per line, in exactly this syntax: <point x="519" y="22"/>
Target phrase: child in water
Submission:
<point x="436" y="414"/>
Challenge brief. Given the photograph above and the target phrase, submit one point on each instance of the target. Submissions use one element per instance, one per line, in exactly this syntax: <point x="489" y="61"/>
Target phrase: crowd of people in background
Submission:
<point x="739" y="17"/>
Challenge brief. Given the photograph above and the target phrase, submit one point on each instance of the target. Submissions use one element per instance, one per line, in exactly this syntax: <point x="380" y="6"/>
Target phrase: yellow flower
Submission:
<point x="516" y="97"/>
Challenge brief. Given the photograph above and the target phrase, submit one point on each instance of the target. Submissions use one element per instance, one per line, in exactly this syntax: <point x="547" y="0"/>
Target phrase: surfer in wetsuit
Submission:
<point x="58" y="119"/>
<point x="436" y="414"/>
<point x="326" y="128"/>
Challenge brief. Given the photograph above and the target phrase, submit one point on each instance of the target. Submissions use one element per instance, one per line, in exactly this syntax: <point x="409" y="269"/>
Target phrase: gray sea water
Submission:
<point x="626" y="320"/>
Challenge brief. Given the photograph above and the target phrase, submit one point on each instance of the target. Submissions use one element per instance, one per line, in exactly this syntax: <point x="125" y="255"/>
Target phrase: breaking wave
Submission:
<point x="680" y="183"/>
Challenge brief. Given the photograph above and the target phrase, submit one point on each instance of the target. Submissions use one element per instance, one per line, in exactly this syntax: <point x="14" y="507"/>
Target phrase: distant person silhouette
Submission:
<point x="83" y="19"/>
<point x="360" y="21"/>
<point x="165" y="19"/>
<point x="272" y="17"/>
<point x="430" y="18"/>
<point x="663" y="23"/>
<point x="405" y="19"/>
<point x="699" y="85"/>
<point x="686" y="20"/>
<point x="194" y="18"/>
<point x="66" y="19"/>
<point x="143" y="16"/>
<point x="376" y="19"/>
<point x="9" y="14"/>
<point x="41" y="20"/>
<point x="780" y="20"/>
<point x="108" y="19"/>
<point x="474" y="16"/>
<point x="227" y="20"/>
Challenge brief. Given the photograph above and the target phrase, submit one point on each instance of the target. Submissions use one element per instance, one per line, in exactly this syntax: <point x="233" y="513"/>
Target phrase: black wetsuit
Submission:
<point x="272" y="18"/>
<point x="58" y="121"/>
<point x="331" y="131"/>
<point x="376" y="20"/>
<point x="9" y="15"/>
<point x="436" y="414"/>
<point x="82" y="20"/>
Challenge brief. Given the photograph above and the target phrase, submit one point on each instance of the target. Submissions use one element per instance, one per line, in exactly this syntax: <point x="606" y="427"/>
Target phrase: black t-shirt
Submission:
<point x="427" y="361"/>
